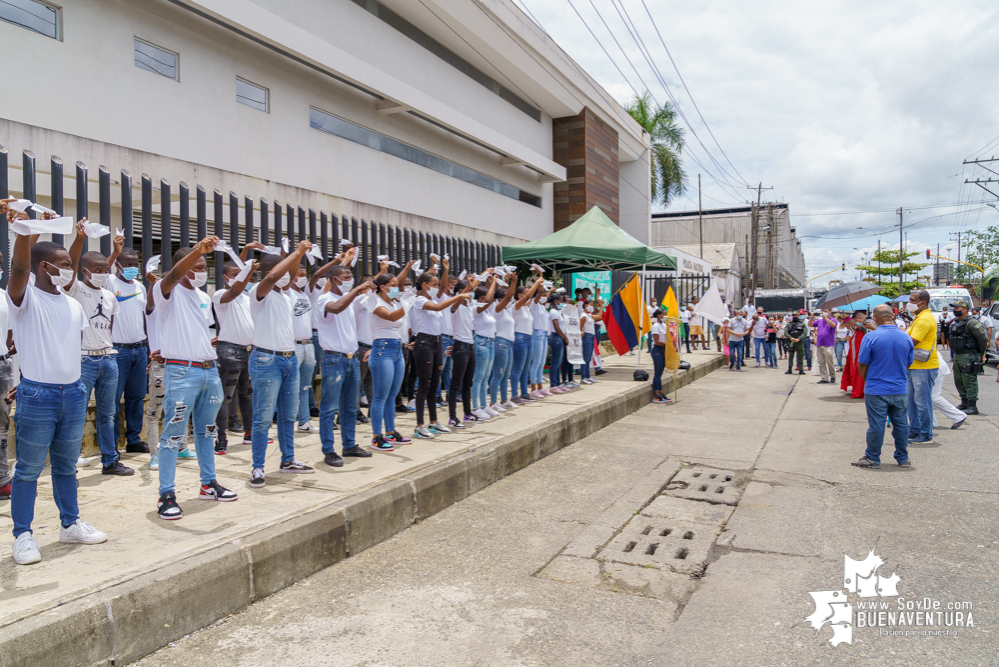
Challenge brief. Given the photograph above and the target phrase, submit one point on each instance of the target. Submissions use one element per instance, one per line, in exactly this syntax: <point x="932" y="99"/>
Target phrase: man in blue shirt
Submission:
<point x="884" y="359"/>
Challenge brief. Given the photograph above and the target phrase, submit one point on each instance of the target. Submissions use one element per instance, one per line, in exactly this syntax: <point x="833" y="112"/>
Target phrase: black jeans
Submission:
<point x="235" y="375"/>
<point x="428" y="362"/>
<point x="462" y="373"/>
<point x="362" y="349"/>
<point x="407" y="388"/>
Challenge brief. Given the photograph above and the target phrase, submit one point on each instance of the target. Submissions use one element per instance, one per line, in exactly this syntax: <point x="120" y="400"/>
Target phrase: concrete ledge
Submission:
<point x="127" y="621"/>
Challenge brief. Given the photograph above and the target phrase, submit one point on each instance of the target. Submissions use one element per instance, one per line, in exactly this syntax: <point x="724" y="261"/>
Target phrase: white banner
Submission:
<point x="570" y="325"/>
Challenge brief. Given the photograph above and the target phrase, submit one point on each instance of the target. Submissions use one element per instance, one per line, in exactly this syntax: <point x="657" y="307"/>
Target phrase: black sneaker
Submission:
<point x="362" y="418"/>
<point x="865" y="462"/>
<point x="167" y="507"/>
<point x="333" y="459"/>
<point x="822" y="382"/>
<point x="314" y="412"/>
<point x="137" y="448"/>
<point x="257" y="478"/>
<point x="785" y="372"/>
<point x="359" y="452"/>
<point x="958" y="424"/>
<point x="381" y="444"/>
<point x="400" y="408"/>
<point x="601" y="371"/>
<point x="221" y="448"/>
<point x="905" y="464"/>
<point x="296" y="467"/>
<point x="117" y="468"/>
<point x="454" y="423"/>
<point x="215" y="491"/>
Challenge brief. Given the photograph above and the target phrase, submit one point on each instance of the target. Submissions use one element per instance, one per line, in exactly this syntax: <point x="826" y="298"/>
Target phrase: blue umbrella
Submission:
<point x="866" y="303"/>
<point x="902" y="299"/>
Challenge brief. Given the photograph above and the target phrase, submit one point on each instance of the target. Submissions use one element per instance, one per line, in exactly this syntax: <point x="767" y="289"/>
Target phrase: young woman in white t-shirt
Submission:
<point x="539" y="343"/>
<point x="427" y="317"/>
<point x="499" y="379"/>
<point x="660" y="339"/>
<point x="557" y="341"/>
<point x="587" y="324"/>
<point x="484" y="329"/>
<point x="386" y="361"/>
<point x="523" y="321"/>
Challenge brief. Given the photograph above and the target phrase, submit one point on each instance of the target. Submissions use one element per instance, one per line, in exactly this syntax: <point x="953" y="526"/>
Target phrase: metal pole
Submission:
<point x="641" y="314"/>
<point x="901" y="253"/>
<point x="700" y="225"/>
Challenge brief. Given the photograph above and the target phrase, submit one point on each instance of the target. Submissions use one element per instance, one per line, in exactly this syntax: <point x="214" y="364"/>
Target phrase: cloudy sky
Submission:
<point x="842" y="106"/>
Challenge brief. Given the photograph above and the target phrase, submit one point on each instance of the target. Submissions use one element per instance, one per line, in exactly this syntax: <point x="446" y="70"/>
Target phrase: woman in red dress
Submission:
<point x="851" y="373"/>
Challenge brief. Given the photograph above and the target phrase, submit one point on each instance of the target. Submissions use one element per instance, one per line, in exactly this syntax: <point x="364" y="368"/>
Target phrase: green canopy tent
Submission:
<point x="592" y="243"/>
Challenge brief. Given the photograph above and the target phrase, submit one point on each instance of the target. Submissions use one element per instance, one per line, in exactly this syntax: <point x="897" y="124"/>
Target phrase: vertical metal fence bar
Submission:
<point x="104" y="206"/>
<point x="219" y="211"/>
<point x="355" y="239"/>
<point x="335" y="236"/>
<point x="248" y="233"/>
<point x="407" y="246"/>
<point x="28" y="188"/>
<point x="127" y="225"/>
<point x="265" y="222"/>
<point x="82" y="201"/>
<point x="301" y="225"/>
<point x="324" y="235"/>
<point x="390" y="243"/>
<point x="58" y="195"/>
<point x="202" y="213"/>
<point x="382" y="245"/>
<point x="365" y="248"/>
<point x="277" y="224"/>
<point x="421" y="252"/>
<point x="289" y="216"/>
<point x="312" y="227"/>
<point x="147" y="222"/>
<point x="234" y="221"/>
<point x="185" y="215"/>
<point x="166" y="226"/>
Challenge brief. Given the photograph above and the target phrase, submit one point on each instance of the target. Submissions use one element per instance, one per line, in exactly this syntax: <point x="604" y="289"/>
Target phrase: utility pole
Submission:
<point x="937" y="281"/>
<point x="958" y="250"/>
<point x="753" y="272"/>
<point x="901" y="252"/>
<point x="700" y="226"/>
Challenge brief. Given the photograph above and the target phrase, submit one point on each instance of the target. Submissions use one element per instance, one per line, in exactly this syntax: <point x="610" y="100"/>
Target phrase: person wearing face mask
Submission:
<point x="462" y="356"/>
<point x="523" y="328"/>
<point x="388" y="366"/>
<point x="852" y="380"/>
<point x="588" y="328"/>
<point x="129" y="339"/>
<point x="539" y="343"/>
<point x="305" y="353"/>
<point x="969" y="341"/>
<point x="427" y="319"/>
<point x="795" y="333"/>
<point x="273" y="363"/>
<point x="737" y="329"/>
<point x="192" y="387"/>
<point x="232" y="310"/>
<point x="557" y="341"/>
<point x="484" y="328"/>
<point x="499" y="379"/>
<point x="99" y="370"/>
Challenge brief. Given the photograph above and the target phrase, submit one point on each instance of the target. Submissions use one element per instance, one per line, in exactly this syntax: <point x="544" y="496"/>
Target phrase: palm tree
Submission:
<point x="668" y="177"/>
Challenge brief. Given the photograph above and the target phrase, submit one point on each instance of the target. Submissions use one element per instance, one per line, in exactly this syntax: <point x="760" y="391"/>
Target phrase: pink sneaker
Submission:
<point x="545" y="393"/>
<point x="557" y="390"/>
<point x="537" y="394"/>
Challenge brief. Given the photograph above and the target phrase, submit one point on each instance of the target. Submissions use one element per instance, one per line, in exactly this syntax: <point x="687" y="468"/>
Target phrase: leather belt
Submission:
<point x="280" y="354"/>
<point x="349" y="355"/>
<point x="131" y="346"/>
<point x="210" y="363"/>
<point x="304" y="341"/>
<point x="236" y="345"/>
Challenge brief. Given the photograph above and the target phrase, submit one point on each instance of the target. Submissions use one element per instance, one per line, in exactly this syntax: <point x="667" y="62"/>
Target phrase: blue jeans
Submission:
<point x="920" y="402"/>
<point x="840" y="346"/>
<point x="48" y="422"/>
<point x="502" y="365"/>
<point x="485" y="350"/>
<point x="770" y="352"/>
<point x="388" y="369"/>
<point x="557" y="346"/>
<point x="735" y="353"/>
<point x="445" y="383"/>
<point x="100" y="375"/>
<point x="306" y="356"/>
<point x="878" y="409"/>
<point x="584" y="371"/>
<point x="276" y="386"/>
<point x="132" y="382"/>
<point x="658" y="365"/>
<point x="191" y="394"/>
<point x="521" y="357"/>
<point x="539" y="352"/>
<point x="341" y="377"/>
<point x="757" y="344"/>
<point x="808" y="352"/>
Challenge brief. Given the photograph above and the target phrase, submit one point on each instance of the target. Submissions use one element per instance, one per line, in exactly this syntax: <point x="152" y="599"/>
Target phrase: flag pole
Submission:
<point x="641" y="314"/>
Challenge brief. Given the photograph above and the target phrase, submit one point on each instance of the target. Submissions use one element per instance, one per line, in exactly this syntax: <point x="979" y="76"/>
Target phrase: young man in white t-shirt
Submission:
<point x="232" y="310"/>
<point x="192" y="387"/>
<point x="99" y="369"/>
<point x="273" y="363"/>
<point x="305" y="353"/>
<point x="128" y="334"/>
<point x="51" y="402"/>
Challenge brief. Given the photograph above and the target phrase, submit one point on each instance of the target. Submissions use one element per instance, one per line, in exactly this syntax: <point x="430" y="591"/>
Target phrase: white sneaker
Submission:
<point x="81" y="532"/>
<point x="510" y="405"/>
<point x="492" y="412"/>
<point x="307" y="427"/>
<point x="26" y="549"/>
<point x="481" y="414"/>
<point x="81" y="462"/>
<point x="411" y="404"/>
<point x="497" y="408"/>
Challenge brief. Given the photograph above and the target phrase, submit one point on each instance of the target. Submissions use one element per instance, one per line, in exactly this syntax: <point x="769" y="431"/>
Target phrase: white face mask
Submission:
<point x="589" y="309"/>
<point x="64" y="278"/>
<point x="321" y="283"/>
<point x="283" y="281"/>
<point x="433" y="292"/>
<point x="346" y="286"/>
<point x="301" y="282"/>
<point x="98" y="279"/>
<point x="200" y="278"/>
<point x="543" y="300"/>
<point x="409" y="291"/>
<point x="911" y="307"/>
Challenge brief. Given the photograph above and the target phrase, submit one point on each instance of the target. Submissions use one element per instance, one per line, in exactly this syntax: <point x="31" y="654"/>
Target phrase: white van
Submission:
<point x="942" y="297"/>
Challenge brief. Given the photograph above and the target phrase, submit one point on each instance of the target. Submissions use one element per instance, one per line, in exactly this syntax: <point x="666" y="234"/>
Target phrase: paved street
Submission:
<point x="552" y="565"/>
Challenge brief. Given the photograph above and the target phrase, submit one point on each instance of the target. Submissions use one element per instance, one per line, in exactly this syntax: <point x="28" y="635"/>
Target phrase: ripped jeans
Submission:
<point x="191" y="393"/>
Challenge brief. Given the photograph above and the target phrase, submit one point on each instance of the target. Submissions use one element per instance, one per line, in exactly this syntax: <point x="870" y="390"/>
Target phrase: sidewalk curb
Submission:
<point x="126" y="621"/>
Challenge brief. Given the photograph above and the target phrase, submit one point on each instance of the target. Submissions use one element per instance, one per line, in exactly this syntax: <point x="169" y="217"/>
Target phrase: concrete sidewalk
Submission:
<point x="272" y="536"/>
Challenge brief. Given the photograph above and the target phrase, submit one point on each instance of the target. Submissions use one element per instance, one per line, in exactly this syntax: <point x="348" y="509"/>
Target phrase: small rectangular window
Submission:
<point x="251" y="94"/>
<point x="154" y="59"/>
<point x="33" y="15"/>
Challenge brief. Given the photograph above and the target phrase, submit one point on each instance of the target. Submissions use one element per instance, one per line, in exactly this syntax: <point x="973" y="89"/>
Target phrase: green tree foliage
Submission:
<point x="668" y="177"/>
<point x="979" y="247"/>
<point x="886" y="275"/>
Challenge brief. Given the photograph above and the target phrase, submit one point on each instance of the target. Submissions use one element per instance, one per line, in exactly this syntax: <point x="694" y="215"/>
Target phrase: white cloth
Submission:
<point x="711" y="307"/>
<point x="235" y="320"/>
<point x="337" y="332"/>
<point x="505" y="325"/>
<point x="461" y="323"/>
<point x="131" y="298"/>
<point x="939" y="402"/>
<point x="302" y="310"/>
<point x="426" y="321"/>
<point x="4" y="322"/>
<point x="47" y="330"/>
<point x="273" y="328"/>
<point x="362" y="317"/>
<point x="99" y="305"/>
<point x="523" y="320"/>
<point x="183" y="321"/>
<point x="484" y="323"/>
<point x="382" y="328"/>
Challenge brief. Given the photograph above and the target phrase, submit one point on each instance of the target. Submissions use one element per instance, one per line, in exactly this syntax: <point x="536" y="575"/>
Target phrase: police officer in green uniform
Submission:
<point x="969" y="340"/>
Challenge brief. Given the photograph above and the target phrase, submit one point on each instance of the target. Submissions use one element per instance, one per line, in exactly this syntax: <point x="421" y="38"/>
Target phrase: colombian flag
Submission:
<point x="626" y="317"/>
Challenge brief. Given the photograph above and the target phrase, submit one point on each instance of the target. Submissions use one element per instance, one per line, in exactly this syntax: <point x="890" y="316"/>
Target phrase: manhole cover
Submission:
<point x="661" y="543"/>
<point x="707" y="484"/>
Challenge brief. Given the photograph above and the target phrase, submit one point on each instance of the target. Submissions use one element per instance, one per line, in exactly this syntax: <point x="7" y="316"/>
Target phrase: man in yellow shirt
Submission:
<point x="922" y="374"/>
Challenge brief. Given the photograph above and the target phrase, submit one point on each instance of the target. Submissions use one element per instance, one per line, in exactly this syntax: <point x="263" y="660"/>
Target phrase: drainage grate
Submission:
<point x="708" y="484"/>
<point x="661" y="543"/>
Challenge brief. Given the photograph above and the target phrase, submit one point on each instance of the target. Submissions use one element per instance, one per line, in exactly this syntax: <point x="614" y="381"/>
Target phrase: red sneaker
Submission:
<point x="5" y="492"/>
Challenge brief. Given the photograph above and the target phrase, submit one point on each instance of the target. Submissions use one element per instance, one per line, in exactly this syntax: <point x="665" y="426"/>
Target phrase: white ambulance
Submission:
<point x="942" y="297"/>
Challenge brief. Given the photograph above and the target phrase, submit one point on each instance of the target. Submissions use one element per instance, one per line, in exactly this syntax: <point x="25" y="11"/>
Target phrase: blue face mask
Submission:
<point x="130" y="273"/>
<point x="393" y="293"/>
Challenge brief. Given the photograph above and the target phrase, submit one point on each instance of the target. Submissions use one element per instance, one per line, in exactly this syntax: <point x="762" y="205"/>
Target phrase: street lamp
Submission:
<point x="878" y="234"/>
